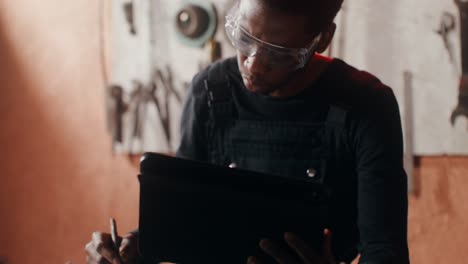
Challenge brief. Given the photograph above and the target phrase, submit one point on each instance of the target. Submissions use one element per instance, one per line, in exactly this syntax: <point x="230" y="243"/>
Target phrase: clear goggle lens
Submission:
<point x="276" y="56"/>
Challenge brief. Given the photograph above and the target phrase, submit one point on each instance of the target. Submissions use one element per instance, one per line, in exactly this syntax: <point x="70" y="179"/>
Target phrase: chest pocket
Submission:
<point x="279" y="148"/>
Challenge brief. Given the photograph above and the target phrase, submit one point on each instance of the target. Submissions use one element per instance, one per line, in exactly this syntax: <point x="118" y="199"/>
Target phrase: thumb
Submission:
<point x="124" y="242"/>
<point x="117" y="261"/>
<point x="128" y="248"/>
<point x="327" y="246"/>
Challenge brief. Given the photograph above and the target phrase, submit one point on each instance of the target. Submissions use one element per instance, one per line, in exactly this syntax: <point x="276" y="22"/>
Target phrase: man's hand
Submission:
<point x="301" y="253"/>
<point x="100" y="250"/>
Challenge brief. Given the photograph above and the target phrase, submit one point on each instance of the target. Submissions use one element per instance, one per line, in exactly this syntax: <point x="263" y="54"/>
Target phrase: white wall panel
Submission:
<point x="387" y="38"/>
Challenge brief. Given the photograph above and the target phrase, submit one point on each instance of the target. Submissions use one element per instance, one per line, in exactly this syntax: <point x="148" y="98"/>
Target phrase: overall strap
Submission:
<point x="336" y="146"/>
<point x="336" y="118"/>
<point x="218" y="88"/>
<point x="220" y="108"/>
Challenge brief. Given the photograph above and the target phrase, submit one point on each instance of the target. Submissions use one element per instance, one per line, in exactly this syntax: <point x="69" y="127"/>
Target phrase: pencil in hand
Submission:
<point x="115" y="239"/>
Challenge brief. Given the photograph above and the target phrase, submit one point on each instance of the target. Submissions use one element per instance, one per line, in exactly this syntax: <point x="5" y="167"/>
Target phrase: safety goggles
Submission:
<point x="276" y="56"/>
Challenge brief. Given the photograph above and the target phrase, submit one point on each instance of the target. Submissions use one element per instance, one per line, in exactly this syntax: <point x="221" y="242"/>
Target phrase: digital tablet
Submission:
<point x="194" y="212"/>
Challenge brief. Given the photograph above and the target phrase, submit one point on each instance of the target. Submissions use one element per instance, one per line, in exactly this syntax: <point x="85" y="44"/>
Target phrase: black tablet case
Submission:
<point x="193" y="212"/>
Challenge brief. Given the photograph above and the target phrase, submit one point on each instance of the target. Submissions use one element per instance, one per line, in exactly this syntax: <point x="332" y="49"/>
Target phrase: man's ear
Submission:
<point x="327" y="36"/>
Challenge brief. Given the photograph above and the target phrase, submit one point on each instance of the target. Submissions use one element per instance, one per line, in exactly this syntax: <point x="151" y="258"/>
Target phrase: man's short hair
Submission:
<point x="320" y="12"/>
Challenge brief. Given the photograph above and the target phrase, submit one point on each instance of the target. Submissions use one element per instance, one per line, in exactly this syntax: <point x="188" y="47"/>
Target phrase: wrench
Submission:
<point x="462" y="108"/>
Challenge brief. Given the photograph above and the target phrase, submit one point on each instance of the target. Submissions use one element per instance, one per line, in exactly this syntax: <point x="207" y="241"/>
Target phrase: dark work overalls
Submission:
<point x="311" y="151"/>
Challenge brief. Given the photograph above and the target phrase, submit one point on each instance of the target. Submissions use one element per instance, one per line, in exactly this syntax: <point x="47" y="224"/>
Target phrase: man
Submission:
<point x="282" y="108"/>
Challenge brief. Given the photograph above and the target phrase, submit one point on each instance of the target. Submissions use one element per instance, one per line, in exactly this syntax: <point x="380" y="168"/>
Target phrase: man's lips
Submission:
<point x="253" y="81"/>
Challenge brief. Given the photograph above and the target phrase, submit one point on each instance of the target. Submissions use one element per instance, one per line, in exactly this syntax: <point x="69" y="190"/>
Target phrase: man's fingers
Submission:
<point x="327" y="245"/>
<point x="102" y="243"/>
<point x="96" y="259"/>
<point x="281" y="255"/>
<point x="89" y="248"/>
<point x="306" y="253"/>
<point x="125" y="242"/>
<point x="93" y="257"/>
<point x="109" y="254"/>
<point x="126" y="251"/>
<point x="128" y="248"/>
<point x="254" y="260"/>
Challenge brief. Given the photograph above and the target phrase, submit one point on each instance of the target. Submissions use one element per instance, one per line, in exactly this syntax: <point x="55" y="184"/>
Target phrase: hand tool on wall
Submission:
<point x="462" y="108"/>
<point x="215" y="50"/>
<point x="163" y="106"/>
<point x="117" y="110"/>
<point x="409" y="128"/>
<point x="137" y="102"/>
<point x="196" y="22"/>
<point x="162" y="84"/>
<point x="447" y="25"/>
<point x="196" y="25"/>
<point x="192" y="21"/>
<point x="129" y="10"/>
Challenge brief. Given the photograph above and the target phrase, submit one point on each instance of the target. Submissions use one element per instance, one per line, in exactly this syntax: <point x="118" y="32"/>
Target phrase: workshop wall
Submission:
<point x="412" y="46"/>
<point x="59" y="178"/>
<point x="145" y="43"/>
<point x="438" y="212"/>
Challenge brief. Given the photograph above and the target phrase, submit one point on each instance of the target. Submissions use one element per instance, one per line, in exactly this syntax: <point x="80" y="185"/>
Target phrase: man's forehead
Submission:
<point x="251" y="10"/>
<point x="256" y="13"/>
<point x="275" y="27"/>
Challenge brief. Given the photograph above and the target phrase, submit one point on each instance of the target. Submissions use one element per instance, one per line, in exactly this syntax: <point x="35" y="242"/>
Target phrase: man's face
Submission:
<point x="274" y="27"/>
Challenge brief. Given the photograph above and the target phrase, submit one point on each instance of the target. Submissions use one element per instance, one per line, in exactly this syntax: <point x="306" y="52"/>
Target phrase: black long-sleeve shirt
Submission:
<point x="374" y="192"/>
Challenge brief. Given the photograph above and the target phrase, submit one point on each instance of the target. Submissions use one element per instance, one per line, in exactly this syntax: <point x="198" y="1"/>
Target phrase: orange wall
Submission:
<point x="438" y="211"/>
<point x="60" y="180"/>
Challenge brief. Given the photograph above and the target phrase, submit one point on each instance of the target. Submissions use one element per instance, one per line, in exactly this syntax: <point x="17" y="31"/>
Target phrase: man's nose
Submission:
<point x="257" y="64"/>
